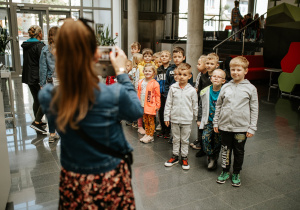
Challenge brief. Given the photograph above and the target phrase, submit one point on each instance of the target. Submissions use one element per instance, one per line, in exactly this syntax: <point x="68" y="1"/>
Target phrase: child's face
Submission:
<point x="148" y="72"/>
<point x="178" y="58"/>
<point x="176" y="76"/>
<point x="128" y="66"/>
<point x="158" y="62"/>
<point x="147" y="58"/>
<point x="201" y="65"/>
<point x="183" y="76"/>
<point x="211" y="65"/>
<point x="134" y="50"/>
<point x="238" y="73"/>
<point x="165" y="58"/>
<point x="217" y="78"/>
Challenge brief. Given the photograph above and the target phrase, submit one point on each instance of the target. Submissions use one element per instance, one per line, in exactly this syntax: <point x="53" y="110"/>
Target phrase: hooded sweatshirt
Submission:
<point x="237" y="108"/>
<point x="181" y="104"/>
<point x="32" y="49"/>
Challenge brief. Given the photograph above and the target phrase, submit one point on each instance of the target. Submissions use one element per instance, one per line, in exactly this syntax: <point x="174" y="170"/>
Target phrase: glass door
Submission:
<point x="23" y="19"/>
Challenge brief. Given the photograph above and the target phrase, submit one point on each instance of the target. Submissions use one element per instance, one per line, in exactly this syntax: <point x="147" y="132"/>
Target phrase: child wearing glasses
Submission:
<point x="207" y="103"/>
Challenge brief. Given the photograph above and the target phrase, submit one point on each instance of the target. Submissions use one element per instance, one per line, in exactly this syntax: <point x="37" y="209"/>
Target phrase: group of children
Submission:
<point x="226" y="114"/>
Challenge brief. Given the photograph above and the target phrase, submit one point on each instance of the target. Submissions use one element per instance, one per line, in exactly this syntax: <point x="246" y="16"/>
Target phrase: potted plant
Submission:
<point x="104" y="38"/>
<point x="4" y="40"/>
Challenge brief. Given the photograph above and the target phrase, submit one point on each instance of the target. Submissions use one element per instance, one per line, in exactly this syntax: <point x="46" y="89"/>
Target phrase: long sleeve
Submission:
<point x="200" y="110"/>
<point x="167" y="83"/>
<point x="195" y="103"/>
<point x="157" y="96"/>
<point x="253" y="112"/>
<point x="168" y="106"/>
<point x="43" y="68"/>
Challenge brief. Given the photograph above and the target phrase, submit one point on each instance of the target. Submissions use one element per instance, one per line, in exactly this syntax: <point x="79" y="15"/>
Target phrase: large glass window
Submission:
<point x="217" y="14"/>
<point x="51" y="2"/>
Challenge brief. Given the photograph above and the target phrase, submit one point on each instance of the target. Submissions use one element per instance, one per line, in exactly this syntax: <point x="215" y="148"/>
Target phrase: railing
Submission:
<point x="242" y="29"/>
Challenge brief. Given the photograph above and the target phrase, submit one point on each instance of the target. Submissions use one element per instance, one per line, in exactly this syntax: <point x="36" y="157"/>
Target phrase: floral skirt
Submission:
<point x="110" y="190"/>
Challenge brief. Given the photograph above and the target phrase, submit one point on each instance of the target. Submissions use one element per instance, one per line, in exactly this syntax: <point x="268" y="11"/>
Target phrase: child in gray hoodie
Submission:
<point x="236" y="117"/>
<point x="181" y="105"/>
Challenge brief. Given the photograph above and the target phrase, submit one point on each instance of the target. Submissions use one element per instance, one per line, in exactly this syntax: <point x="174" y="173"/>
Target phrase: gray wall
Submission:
<point x="5" y="181"/>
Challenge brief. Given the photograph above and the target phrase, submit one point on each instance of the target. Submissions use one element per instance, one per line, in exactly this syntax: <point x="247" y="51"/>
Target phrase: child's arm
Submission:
<point x="137" y="78"/>
<point x="253" y="113"/>
<point x="157" y="96"/>
<point x="195" y="103"/>
<point x="217" y="111"/>
<point x="167" y="83"/>
<point x="199" y="112"/>
<point x="168" y="108"/>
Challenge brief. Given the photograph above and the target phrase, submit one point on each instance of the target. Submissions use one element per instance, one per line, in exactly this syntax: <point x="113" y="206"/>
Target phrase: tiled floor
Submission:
<point x="270" y="177"/>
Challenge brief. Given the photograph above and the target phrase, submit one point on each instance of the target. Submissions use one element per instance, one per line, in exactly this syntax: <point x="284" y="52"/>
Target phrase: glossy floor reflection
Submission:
<point x="270" y="176"/>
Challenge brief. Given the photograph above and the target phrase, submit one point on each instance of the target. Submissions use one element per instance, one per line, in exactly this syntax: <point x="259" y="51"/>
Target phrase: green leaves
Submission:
<point x="4" y="39"/>
<point x="105" y="39"/>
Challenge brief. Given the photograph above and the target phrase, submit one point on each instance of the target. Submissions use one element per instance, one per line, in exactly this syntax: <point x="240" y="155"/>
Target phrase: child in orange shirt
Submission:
<point x="149" y="94"/>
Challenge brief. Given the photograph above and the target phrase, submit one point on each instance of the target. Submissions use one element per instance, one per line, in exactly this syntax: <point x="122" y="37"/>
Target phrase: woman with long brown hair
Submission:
<point x="87" y="114"/>
<point x="47" y="71"/>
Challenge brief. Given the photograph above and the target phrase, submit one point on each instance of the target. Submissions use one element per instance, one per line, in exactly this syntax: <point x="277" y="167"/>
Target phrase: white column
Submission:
<point x="194" y="46"/>
<point x="133" y="16"/>
<point x="116" y="10"/>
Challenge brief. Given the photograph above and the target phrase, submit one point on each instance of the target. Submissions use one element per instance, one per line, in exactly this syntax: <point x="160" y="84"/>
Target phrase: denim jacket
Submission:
<point x="113" y="103"/>
<point x="47" y="65"/>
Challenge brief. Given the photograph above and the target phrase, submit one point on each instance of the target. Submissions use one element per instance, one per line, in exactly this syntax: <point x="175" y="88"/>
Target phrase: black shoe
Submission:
<point x="194" y="143"/>
<point x="167" y="136"/>
<point x="200" y="153"/>
<point x="42" y="123"/>
<point x="38" y="127"/>
<point x="160" y="135"/>
<point x="170" y="141"/>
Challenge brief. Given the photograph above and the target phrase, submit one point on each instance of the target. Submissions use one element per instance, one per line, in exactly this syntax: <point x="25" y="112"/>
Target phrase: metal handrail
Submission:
<point x="209" y="19"/>
<point x="237" y="32"/>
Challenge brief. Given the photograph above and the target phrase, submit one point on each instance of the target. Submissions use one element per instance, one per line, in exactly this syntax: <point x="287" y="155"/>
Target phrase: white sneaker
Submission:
<point x="158" y="128"/>
<point x="143" y="138"/>
<point x="148" y="139"/>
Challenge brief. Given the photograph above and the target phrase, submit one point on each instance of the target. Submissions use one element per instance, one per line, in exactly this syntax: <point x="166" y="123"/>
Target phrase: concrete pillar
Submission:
<point x="175" y="6"/>
<point x="194" y="46"/>
<point x="251" y="7"/>
<point x="133" y="17"/>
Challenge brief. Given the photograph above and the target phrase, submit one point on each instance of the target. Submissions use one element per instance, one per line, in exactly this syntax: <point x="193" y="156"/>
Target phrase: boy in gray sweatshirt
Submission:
<point x="236" y="118"/>
<point x="181" y="105"/>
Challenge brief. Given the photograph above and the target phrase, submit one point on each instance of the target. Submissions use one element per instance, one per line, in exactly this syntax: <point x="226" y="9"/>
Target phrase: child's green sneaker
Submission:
<point x="236" y="181"/>
<point x="223" y="177"/>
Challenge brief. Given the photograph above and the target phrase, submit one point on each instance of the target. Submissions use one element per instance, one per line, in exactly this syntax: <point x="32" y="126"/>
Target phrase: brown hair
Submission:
<point x="178" y="50"/>
<point x="34" y="31"/>
<point x="167" y="52"/>
<point x="157" y="54"/>
<point x="212" y="56"/>
<point x="239" y="61"/>
<point x="147" y="51"/>
<point x="152" y="66"/>
<point x="136" y="44"/>
<point x="78" y="80"/>
<point x="221" y="70"/>
<point x="136" y="59"/>
<point x="185" y="66"/>
<point x="51" y="34"/>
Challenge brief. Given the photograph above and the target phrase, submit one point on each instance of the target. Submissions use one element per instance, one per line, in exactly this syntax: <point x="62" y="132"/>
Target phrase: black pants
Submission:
<point x="164" y="129"/>
<point x="200" y="141"/>
<point x="37" y="111"/>
<point x="235" y="142"/>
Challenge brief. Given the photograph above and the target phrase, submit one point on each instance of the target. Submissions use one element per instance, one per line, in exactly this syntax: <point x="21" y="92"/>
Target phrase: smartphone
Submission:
<point x="104" y="67"/>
